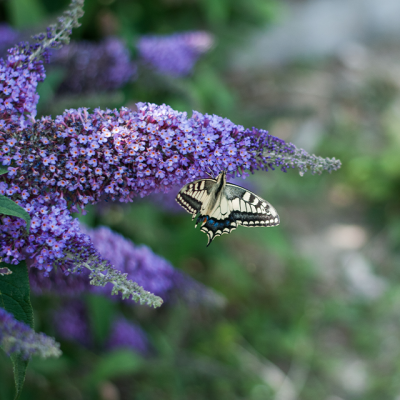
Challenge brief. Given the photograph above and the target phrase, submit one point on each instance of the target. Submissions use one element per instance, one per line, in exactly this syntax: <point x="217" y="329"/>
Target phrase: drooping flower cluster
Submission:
<point x="174" y="54"/>
<point x="93" y="67"/>
<point x="56" y="166"/>
<point x="23" y="69"/>
<point x="71" y="322"/>
<point x="141" y="265"/>
<point x="19" y="77"/>
<point x="127" y="335"/>
<point x="107" y="65"/>
<point x="17" y="337"/>
<point x="118" y="154"/>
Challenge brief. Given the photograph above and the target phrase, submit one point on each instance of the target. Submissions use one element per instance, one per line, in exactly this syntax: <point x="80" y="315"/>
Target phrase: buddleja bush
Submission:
<point x="55" y="166"/>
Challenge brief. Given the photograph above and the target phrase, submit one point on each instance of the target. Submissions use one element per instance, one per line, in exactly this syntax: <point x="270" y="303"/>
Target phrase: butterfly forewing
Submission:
<point x="192" y="196"/>
<point x="248" y="209"/>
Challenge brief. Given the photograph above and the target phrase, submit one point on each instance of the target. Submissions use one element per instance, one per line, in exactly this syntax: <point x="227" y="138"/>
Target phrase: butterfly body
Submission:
<point x="223" y="206"/>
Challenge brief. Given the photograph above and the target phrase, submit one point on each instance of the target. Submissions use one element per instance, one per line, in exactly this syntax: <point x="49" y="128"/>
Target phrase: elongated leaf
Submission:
<point x="8" y="207"/>
<point x="3" y="170"/>
<point x="101" y="313"/>
<point x="15" y="298"/>
<point x="116" y="363"/>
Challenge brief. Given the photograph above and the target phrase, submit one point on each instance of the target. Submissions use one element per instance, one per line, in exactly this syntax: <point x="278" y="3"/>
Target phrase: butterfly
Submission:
<point x="223" y="206"/>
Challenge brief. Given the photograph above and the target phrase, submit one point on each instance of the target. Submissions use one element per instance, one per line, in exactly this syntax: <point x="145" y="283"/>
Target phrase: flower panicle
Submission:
<point x="304" y="162"/>
<point x="127" y="335"/>
<point x="93" y="67"/>
<point x="17" y="337"/>
<point x="137" y="263"/>
<point x="58" y="166"/>
<point x="71" y="321"/>
<point x="103" y="273"/>
<point x="174" y="55"/>
<point x="58" y="34"/>
<point x="23" y="68"/>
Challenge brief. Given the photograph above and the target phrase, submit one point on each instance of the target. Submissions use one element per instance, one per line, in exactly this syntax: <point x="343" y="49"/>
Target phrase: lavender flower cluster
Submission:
<point x="79" y="158"/>
<point x="128" y="335"/>
<point x="19" y="76"/>
<point x="58" y="166"/>
<point x="106" y="65"/>
<point x="94" y="66"/>
<point x="17" y="337"/>
<point x="71" y="322"/>
<point x="141" y="265"/>
<point x="174" y="54"/>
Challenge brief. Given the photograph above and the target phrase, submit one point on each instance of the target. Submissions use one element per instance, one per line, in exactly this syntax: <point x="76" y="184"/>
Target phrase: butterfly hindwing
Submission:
<point x="192" y="195"/>
<point x="214" y="227"/>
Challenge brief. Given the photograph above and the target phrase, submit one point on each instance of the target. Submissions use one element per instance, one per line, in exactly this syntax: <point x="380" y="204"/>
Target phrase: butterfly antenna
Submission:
<point x="210" y="175"/>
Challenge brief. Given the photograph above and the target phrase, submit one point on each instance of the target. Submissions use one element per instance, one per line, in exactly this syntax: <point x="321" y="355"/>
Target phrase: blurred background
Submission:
<point x="309" y="310"/>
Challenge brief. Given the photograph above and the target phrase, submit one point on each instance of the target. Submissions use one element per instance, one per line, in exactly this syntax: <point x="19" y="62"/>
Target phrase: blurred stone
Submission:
<point x="353" y="55"/>
<point x="348" y="237"/>
<point x="108" y="391"/>
<point x="359" y="273"/>
<point x="353" y="376"/>
<point x="315" y="29"/>
<point x="334" y="398"/>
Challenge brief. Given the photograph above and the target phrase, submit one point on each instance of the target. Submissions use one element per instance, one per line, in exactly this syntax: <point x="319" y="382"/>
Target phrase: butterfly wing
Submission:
<point x="250" y="210"/>
<point x="192" y="196"/>
<point x="238" y="206"/>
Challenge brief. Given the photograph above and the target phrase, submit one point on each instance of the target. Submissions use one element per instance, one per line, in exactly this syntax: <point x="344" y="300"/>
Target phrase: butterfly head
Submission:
<point x="221" y="178"/>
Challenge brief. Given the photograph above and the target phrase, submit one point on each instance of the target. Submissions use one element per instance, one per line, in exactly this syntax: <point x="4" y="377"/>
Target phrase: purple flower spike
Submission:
<point x="126" y="334"/>
<point x="19" y="76"/>
<point x="174" y="54"/>
<point x="139" y="263"/>
<point x="17" y="337"/>
<point x="72" y="323"/>
<point x="149" y="270"/>
<point x="56" y="166"/>
<point x="92" y="67"/>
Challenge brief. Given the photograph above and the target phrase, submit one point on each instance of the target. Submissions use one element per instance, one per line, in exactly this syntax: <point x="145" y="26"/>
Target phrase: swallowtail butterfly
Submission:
<point x="223" y="206"/>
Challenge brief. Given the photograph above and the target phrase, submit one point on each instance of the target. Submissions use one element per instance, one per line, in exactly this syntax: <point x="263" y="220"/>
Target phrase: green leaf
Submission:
<point x="15" y="298"/>
<point x="19" y="368"/>
<point x="3" y="170"/>
<point x="115" y="364"/>
<point x="101" y="312"/>
<point x="8" y="207"/>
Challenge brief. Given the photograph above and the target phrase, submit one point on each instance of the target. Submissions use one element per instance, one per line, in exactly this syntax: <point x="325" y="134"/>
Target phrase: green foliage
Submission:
<point x="25" y="13"/>
<point x="15" y="298"/>
<point x="114" y="364"/>
<point x="8" y="207"/>
<point x="101" y="312"/>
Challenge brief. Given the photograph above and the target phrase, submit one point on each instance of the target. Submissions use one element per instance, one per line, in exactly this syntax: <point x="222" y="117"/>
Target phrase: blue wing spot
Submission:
<point x="210" y="221"/>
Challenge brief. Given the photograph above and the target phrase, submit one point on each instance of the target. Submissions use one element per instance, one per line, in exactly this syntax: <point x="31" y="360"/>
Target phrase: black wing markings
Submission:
<point x="249" y="209"/>
<point x="245" y="208"/>
<point x="192" y="195"/>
